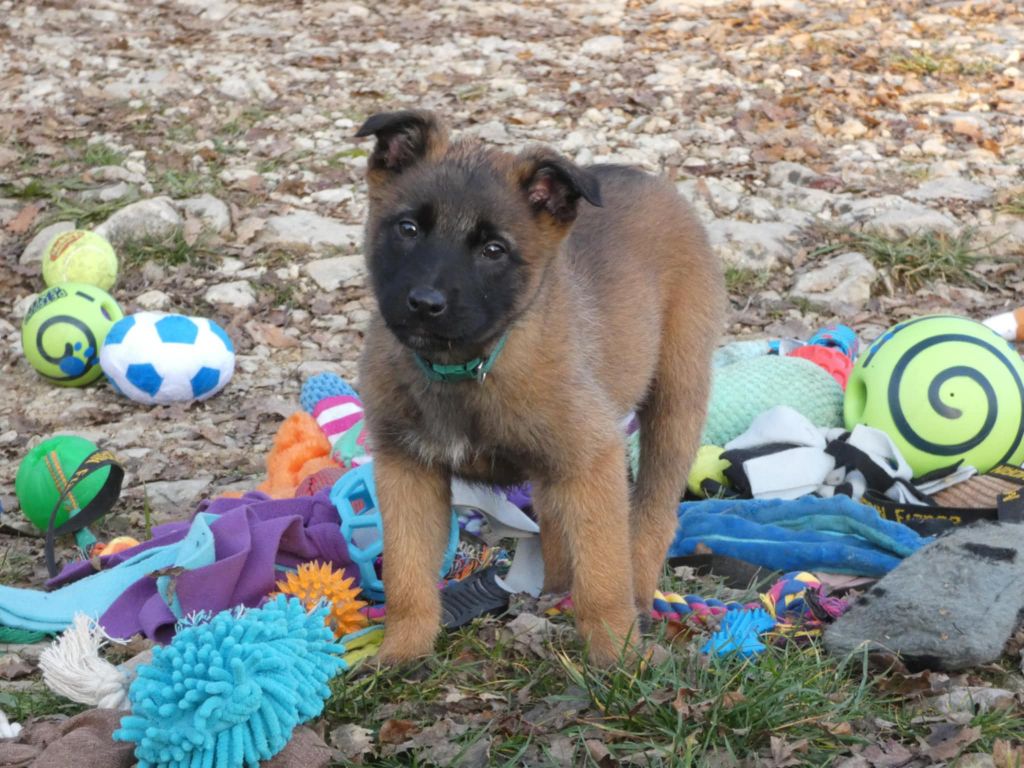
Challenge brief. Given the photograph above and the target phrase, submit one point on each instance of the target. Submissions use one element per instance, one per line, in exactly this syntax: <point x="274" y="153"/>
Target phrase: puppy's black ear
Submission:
<point x="403" y="139"/>
<point x="553" y="184"/>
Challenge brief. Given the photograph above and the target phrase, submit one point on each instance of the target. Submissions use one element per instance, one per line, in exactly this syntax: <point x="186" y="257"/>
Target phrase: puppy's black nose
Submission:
<point x="427" y="302"/>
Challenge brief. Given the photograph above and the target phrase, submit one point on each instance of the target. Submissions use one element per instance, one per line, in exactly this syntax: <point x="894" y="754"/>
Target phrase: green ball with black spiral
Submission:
<point x="946" y="389"/>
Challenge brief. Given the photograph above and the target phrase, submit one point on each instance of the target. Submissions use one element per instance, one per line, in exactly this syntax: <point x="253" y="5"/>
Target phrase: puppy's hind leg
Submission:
<point x="671" y="421"/>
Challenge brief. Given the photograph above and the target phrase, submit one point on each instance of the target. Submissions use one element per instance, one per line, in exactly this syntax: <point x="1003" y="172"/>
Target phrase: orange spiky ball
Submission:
<point x="316" y="581"/>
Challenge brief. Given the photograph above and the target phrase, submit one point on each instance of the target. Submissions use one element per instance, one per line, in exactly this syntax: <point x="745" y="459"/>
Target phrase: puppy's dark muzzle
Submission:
<point x="427" y="303"/>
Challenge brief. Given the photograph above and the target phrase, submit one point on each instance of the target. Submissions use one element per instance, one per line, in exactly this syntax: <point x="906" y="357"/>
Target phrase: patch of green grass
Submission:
<point x="914" y="261"/>
<point x="64" y="206"/>
<point x="745" y="280"/>
<point x="1014" y="205"/>
<point x="181" y="184"/>
<point x="921" y="63"/>
<point x="282" y="294"/>
<point x="172" y="251"/>
<point x="16" y="565"/>
<point x="35" y="189"/>
<point x="337" y="159"/>
<point x="684" y="711"/>
<point x="100" y="154"/>
<point x="37" y="701"/>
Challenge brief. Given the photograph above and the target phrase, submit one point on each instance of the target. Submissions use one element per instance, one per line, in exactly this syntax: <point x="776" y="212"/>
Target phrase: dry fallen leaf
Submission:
<point x="12" y="667"/>
<point x="192" y="229"/>
<point x="947" y="740"/>
<point x="272" y="335"/>
<point x="732" y="698"/>
<point x="1007" y="754"/>
<point x="784" y="752"/>
<point x="396" y="731"/>
<point x="248" y="229"/>
<point x="26" y="217"/>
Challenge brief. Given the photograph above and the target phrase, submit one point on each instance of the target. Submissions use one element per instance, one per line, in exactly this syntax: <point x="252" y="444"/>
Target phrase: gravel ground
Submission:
<point x="814" y="137"/>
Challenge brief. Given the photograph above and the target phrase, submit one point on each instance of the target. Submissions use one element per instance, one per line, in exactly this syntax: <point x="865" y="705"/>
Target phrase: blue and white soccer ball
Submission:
<point x="157" y="358"/>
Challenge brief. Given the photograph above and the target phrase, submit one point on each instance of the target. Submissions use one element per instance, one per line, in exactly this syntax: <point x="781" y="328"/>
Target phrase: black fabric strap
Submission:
<point x="94" y="510"/>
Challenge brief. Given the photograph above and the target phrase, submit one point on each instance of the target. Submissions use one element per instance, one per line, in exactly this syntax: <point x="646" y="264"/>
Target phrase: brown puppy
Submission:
<point x="526" y="305"/>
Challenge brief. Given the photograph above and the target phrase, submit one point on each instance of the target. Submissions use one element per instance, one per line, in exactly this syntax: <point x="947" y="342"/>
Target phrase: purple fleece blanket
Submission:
<point x="254" y="537"/>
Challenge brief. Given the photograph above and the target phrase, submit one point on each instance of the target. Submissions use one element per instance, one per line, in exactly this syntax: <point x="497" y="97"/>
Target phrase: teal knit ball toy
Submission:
<point x="230" y="691"/>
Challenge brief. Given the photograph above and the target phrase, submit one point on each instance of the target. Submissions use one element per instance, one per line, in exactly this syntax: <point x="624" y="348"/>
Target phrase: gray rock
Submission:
<point x="603" y="45"/>
<point x="725" y="194"/>
<point x="305" y="228"/>
<point x="845" y="280"/>
<point x="951" y="188"/>
<point x="116" y="173"/>
<point x="333" y="195"/>
<point x="213" y="212"/>
<point x="238" y="294"/>
<point x="791" y="173"/>
<point x="330" y="274"/>
<point x="751" y="245"/>
<point x="108" y="193"/>
<point x="951" y="605"/>
<point x="893" y="216"/>
<point x="179" y="496"/>
<point x="153" y="219"/>
<point x="153" y="300"/>
<point x="901" y="222"/>
<point x="34" y="250"/>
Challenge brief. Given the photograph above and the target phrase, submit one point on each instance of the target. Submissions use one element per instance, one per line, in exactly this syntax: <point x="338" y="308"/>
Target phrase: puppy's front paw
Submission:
<point x="406" y="641"/>
<point x="610" y="638"/>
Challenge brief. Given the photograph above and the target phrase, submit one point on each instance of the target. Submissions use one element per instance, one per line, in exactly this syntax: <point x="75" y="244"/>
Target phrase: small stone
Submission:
<point x="305" y="228"/>
<point x="332" y="196"/>
<point x="116" y="173"/>
<point x="934" y="146"/>
<point x="34" y="250"/>
<point x="951" y="188"/>
<point x="493" y="131"/>
<point x="153" y="219"/>
<point x="109" y="193"/>
<point x="153" y="300"/>
<point x="852" y="128"/>
<point x="212" y="211"/>
<point x="332" y="273"/>
<point x="603" y="45"/>
<point x="238" y="294"/>
<point x="844" y="280"/>
<point x="894" y="216"/>
<point x="901" y="222"/>
<point x="791" y="173"/>
<point x="236" y="176"/>
<point x="751" y="245"/>
<point x="176" y="495"/>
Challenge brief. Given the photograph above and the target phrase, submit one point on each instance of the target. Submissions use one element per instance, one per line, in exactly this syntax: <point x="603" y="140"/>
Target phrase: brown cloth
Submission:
<point x="86" y="741"/>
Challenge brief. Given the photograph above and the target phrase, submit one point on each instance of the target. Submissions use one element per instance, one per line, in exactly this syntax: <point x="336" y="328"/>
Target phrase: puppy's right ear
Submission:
<point x="404" y="139"/>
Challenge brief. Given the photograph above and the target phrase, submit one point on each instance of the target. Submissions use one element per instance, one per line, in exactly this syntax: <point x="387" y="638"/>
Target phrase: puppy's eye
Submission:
<point x="494" y="250"/>
<point x="408" y="228"/>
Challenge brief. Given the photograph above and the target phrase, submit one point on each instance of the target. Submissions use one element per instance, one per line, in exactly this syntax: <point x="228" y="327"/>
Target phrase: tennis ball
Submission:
<point x="43" y="473"/>
<point x="80" y="256"/>
<point x="64" y="330"/>
<point x="709" y="465"/>
<point x="945" y="389"/>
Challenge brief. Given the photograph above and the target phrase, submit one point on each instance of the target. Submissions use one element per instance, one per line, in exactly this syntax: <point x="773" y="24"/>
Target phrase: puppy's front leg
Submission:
<point x="415" y="507"/>
<point x="593" y="513"/>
